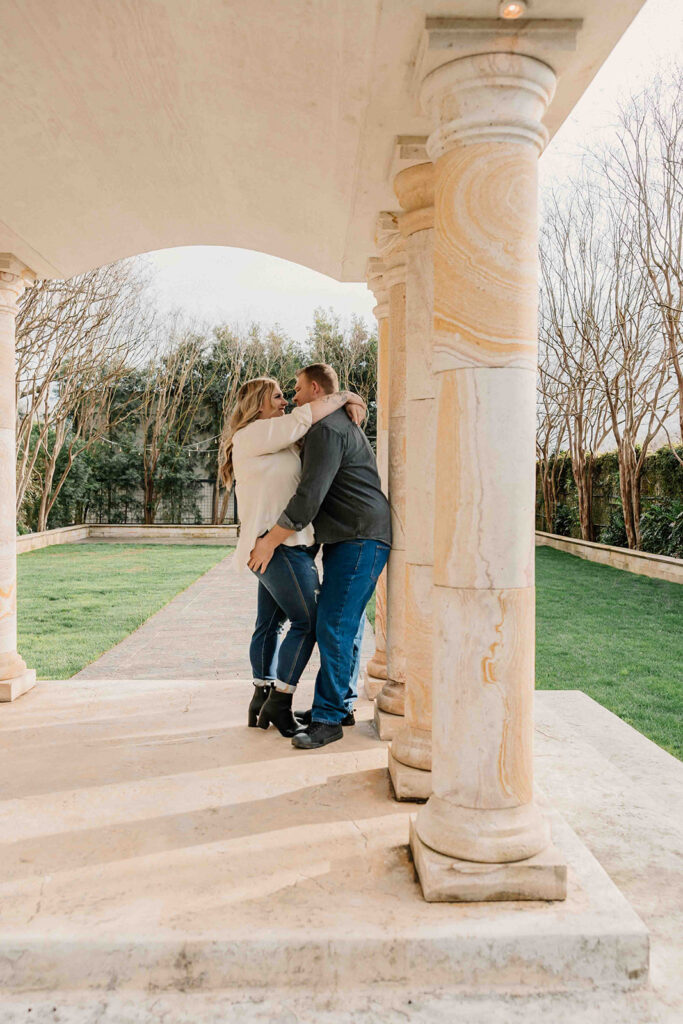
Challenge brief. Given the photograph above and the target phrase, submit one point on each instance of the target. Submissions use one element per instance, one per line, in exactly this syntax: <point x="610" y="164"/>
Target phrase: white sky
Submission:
<point x="215" y="285"/>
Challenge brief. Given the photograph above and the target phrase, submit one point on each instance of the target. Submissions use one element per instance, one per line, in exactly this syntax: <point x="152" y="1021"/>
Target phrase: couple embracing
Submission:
<point x="305" y="479"/>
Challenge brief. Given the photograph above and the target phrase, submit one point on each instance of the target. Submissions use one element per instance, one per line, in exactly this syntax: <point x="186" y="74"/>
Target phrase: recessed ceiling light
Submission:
<point x="511" y="9"/>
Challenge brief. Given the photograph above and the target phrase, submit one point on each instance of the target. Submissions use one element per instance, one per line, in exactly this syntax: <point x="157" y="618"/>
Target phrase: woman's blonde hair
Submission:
<point x="246" y="409"/>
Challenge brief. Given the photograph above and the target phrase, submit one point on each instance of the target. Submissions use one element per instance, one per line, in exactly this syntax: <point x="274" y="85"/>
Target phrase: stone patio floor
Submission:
<point x="160" y="860"/>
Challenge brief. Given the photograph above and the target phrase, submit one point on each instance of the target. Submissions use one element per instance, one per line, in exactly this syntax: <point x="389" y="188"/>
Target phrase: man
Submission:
<point x="340" y="494"/>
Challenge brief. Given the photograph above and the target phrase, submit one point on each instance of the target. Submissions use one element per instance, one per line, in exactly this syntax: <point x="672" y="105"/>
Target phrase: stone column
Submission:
<point x="488" y="110"/>
<point x="410" y="757"/>
<point x="389" y="706"/>
<point x="376" y="669"/>
<point x="15" y="678"/>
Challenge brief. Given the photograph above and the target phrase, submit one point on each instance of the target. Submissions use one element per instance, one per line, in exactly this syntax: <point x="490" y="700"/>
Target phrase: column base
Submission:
<point x="377" y="666"/>
<point x="392" y="698"/>
<point x="387" y="725"/>
<point x="10" y="689"/>
<point x="410" y="784"/>
<point x="372" y="684"/>
<point x="492" y="835"/>
<point x="413" y="747"/>
<point x="447" y="880"/>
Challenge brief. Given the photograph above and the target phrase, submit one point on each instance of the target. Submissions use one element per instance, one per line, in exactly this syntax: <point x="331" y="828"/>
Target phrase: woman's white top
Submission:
<point x="267" y="469"/>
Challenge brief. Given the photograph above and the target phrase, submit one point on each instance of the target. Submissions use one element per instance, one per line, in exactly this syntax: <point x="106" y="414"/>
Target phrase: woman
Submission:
<point x="259" y="452"/>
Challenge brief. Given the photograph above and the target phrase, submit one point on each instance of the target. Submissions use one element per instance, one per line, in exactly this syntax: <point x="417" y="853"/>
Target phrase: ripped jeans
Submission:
<point x="288" y="589"/>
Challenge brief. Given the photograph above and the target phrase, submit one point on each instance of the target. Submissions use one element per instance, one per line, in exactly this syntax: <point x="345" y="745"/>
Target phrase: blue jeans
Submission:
<point x="288" y="589"/>
<point x="350" y="572"/>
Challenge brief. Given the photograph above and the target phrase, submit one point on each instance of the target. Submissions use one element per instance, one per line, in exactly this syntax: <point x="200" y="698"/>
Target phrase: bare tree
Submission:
<point x="550" y="430"/>
<point x="75" y="341"/>
<point x="172" y="392"/>
<point x="632" y="364"/>
<point x="574" y="294"/>
<point x="644" y="169"/>
<point x="353" y="353"/>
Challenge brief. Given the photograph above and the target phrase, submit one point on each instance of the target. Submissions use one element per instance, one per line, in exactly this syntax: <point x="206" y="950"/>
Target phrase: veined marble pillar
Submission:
<point x="487" y="109"/>
<point x="389" y="706"/>
<point x="376" y="669"/>
<point x="410" y="757"/>
<point x="15" y="678"/>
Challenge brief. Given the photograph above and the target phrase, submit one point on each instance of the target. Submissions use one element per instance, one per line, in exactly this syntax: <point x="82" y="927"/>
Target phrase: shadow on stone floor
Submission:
<point x="367" y="792"/>
<point x="114" y="752"/>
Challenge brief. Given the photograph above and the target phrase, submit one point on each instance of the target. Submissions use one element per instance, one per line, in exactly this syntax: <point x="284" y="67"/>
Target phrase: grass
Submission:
<point x="614" y="635"/>
<point x="370" y="610"/>
<point x="78" y="600"/>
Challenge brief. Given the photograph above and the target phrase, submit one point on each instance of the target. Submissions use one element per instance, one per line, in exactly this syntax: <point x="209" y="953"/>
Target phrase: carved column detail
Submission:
<point x="487" y="110"/>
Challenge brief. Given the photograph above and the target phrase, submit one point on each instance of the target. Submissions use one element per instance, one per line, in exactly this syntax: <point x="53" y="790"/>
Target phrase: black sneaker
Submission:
<point x="318" y="734"/>
<point x="305" y="718"/>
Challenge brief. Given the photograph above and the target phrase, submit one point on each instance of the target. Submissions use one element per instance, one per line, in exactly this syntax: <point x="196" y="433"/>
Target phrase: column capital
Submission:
<point x="387" y="234"/>
<point x="414" y="188"/>
<point x="374" y="275"/>
<point x="12" y="265"/>
<point x="14" y="277"/>
<point x="391" y="248"/>
<point x="487" y="97"/>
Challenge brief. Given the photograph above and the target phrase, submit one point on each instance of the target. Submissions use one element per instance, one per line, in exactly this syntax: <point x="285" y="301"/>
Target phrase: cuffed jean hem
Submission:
<point x="284" y="687"/>
<point x="262" y="682"/>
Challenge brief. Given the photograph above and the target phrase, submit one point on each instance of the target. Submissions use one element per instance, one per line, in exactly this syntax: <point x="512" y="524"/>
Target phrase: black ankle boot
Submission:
<point x="278" y="710"/>
<point x="257" y="702"/>
<point x="304" y="717"/>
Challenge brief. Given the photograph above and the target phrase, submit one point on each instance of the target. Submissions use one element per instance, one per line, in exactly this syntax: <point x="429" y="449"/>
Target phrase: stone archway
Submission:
<point x="274" y="131"/>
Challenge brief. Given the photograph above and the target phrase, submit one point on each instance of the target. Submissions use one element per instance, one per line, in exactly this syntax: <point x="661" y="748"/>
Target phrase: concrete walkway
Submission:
<point x="162" y="862"/>
<point x="202" y="633"/>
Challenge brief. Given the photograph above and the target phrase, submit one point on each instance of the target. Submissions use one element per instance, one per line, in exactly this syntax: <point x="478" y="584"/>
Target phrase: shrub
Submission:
<point x="662" y="484"/>
<point x="566" y="519"/>
<point x="662" y="528"/>
<point x="615" y="531"/>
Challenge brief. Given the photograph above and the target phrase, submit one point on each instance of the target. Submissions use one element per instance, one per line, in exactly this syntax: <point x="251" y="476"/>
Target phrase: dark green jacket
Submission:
<point x="340" y="491"/>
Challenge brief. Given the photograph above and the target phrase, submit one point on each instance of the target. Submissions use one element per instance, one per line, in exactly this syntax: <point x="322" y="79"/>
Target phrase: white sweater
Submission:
<point x="267" y="471"/>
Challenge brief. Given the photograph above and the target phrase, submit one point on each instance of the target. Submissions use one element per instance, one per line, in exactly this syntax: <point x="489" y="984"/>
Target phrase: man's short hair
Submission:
<point x="324" y="376"/>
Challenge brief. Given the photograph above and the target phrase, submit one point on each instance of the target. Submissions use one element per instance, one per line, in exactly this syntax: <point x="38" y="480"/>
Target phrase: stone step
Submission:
<point x="172" y="853"/>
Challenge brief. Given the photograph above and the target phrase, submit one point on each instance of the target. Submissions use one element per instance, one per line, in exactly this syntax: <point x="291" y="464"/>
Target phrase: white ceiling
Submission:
<point x="133" y="125"/>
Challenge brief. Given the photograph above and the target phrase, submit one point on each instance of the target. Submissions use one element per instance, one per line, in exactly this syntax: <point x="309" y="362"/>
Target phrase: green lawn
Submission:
<point x="616" y="636"/>
<point x="370" y="611"/>
<point x="78" y="600"/>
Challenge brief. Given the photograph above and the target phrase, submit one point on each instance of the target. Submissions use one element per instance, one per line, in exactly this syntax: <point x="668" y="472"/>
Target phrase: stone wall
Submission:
<point x="659" y="567"/>
<point x="157" y="534"/>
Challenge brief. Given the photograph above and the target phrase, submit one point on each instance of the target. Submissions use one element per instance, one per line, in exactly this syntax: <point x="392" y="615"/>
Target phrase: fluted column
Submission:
<point x="410" y="757"/>
<point x="487" y="112"/>
<point x="15" y="678"/>
<point x="389" y="705"/>
<point x="376" y="669"/>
